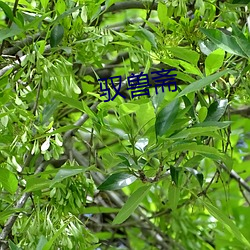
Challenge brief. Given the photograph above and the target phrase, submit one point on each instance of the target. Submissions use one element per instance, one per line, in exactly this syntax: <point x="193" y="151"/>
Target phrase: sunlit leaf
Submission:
<point x="202" y="114"/>
<point x="8" y="180"/>
<point x="162" y="12"/>
<point x="214" y="61"/>
<point x="44" y="3"/>
<point x="185" y="54"/>
<point x="117" y="181"/>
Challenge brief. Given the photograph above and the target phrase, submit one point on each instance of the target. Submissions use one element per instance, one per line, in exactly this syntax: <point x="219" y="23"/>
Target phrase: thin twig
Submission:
<point x="37" y="97"/>
<point x="148" y="14"/>
<point x="235" y="176"/>
<point x="244" y="195"/>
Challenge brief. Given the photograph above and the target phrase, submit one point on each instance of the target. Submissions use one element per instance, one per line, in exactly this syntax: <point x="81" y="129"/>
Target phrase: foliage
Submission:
<point x="165" y="171"/>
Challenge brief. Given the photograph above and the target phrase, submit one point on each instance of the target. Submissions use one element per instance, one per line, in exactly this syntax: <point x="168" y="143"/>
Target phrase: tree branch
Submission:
<point x="16" y="63"/>
<point x="243" y="111"/>
<point x="21" y="44"/>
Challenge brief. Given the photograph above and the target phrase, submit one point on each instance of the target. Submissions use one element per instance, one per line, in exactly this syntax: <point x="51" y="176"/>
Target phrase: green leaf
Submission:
<point x="184" y="77"/>
<point x="194" y="161"/>
<point x="35" y="21"/>
<point x="202" y="114"/>
<point x="214" y="61"/>
<point x="41" y="243"/>
<point x="49" y="244"/>
<point x="244" y="45"/>
<point x="66" y="172"/>
<point x="108" y="3"/>
<point x="8" y="180"/>
<point x="44" y="3"/>
<point x="189" y="105"/>
<point x="132" y="203"/>
<point x="238" y="33"/>
<point x="70" y="101"/>
<point x="219" y="125"/>
<point x="173" y="196"/>
<point x="174" y="172"/>
<point x="216" y="110"/>
<point x="19" y="20"/>
<point x="197" y="85"/>
<point x="88" y="111"/>
<point x="68" y="12"/>
<point x="189" y="68"/>
<point x="49" y="110"/>
<point x="128" y="108"/>
<point x="162" y="12"/>
<point x="181" y="145"/>
<point x="157" y="99"/>
<point x="198" y="175"/>
<point x="227" y="223"/>
<point x="117" y="181"/>
<point x="7" y="10"/>
<point x="13" y="246"/>
<point x="223" y="41"/>
<point x="185" y="54"/>
<point x="98" y="210"/>
<point x="207" y="46"/>
<point x="56" y="35"/>
<point x="33" y="183"/>
<point x="241" y="40"/>
<point x="9" y="32"/>
<point x="9" y="211"/>
<point x="149" y="36"/>
<point x="204" y="150"/>
<point x="166" y="117"/>
<point x="193" y="132"/>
